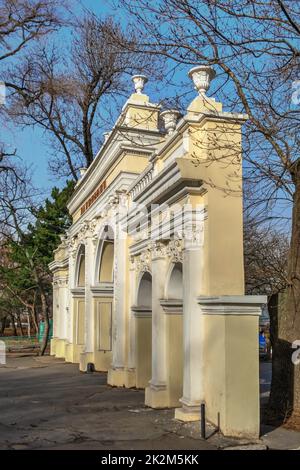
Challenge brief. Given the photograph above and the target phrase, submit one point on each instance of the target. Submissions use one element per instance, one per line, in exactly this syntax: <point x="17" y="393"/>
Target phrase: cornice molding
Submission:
<point x="232" y="304"/>
<point x="172" y="306"/>
<point x="112" y="150"/>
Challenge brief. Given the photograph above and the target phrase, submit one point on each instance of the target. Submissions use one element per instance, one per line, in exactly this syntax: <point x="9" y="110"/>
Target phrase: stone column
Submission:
<point x="56" y="319"/>
<point x="156" y="394"/>
<point x="89" y="276"/>
<point x="87" y="355"/>
<point x="55" y="309"/>
<point x="61" y="312"/>
<point x="61" y="300"/>
<point x="116" y="374"/>
<point x="131" y="356"/>
<point x="193" y="335"/>
<point x="70" y="305"/>
<point x="65" y="308"/>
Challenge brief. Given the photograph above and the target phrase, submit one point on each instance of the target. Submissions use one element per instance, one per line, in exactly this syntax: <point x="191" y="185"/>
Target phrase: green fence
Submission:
<point x="19" y="341"/>
<point x="42" y="330"/>
<point x="27" y="341"/>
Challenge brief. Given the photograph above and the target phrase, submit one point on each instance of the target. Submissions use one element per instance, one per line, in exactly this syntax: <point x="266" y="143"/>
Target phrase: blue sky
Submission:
<point x="30" y="142"/>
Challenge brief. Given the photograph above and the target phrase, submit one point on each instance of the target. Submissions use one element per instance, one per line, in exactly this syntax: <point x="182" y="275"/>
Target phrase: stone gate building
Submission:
<point x="149" y="279"/>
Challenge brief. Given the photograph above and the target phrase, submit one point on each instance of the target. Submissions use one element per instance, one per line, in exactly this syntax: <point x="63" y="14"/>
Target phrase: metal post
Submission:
<point x="203" y="433"/>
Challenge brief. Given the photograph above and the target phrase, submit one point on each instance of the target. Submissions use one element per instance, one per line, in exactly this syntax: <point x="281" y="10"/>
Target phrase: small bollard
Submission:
<point x="90" y="368"/>
<point x="203" y="431"/>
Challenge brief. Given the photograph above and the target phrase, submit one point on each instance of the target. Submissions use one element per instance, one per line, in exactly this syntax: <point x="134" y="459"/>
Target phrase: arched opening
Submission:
<point x="79" y="305"/>
<point x="104" y="263"/>
<point x="80" y="271"/>
<point x="173" y="306"/>
<point x="103" y="292"/>
<point x="144" y="297"/>
<point x="143" y="314"/>
<point x="175" y="285"/>
<point x="106" y="268"/>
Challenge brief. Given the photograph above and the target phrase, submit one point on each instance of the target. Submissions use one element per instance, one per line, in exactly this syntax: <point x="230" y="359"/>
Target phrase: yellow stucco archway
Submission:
<point x="80" y="267"/>
<point x="79" y="303"/>
<point x="143" y="314"/>
<point x="174" y="332"/>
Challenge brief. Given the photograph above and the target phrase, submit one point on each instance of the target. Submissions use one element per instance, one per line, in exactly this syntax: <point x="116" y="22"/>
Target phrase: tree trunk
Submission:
<point x="20" y="324"/>
<point x="291" y="317"/>
<point x="13" y="325"/>
<point x="34" y="314"/>
<point x="285" y="390"/>
<point x="34" y="320"/>
<point x="3" y="325"/>
<point x="281" y="400"/>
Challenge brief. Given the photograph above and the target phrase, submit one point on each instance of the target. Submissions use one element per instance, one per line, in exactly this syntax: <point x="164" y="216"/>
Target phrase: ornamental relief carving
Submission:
<point x="143" y="262"/>
<point x="194" y="236"/>
<point x="72" y="247"/>
<point x="174" y="250"/>
<point x="158" y="249"/>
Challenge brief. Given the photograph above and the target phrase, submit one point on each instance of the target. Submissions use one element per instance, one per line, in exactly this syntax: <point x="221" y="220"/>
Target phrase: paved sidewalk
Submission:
<point x="280" y="438"/>
<point x="46" y="403"/>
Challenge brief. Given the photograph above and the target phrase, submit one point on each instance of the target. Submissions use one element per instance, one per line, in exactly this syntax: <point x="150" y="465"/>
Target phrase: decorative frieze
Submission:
<point x="144" y="261"/>
<point x="174" y="250"/>
<point x="158" y="249"/>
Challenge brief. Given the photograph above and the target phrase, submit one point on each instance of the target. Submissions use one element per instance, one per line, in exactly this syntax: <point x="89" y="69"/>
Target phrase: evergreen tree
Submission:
<point x="25" y="275"/>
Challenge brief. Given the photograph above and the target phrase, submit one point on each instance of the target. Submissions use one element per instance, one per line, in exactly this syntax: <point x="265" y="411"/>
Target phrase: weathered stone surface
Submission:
<point x="248" y="447"/>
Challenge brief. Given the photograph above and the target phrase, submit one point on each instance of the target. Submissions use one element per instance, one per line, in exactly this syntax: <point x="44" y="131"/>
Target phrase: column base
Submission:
<point x="130" y="378"/>
<point x="157" y="396"/>
<point x="102" y="360"/>
<point x="72" y="352"/>
<point x="116" y="377"/>
<point x="188" y="413"/>
<point x="84" y="359"/>
<point x="53" y="343"/>
<point x="121" y="377"/>
<point x="58" y="347"/>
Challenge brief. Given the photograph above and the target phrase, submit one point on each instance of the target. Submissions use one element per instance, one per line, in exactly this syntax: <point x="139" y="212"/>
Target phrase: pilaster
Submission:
<point x="156" y="394"/>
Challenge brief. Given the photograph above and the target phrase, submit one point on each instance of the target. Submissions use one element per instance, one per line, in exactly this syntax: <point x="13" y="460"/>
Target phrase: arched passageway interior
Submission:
<point x="79" y="299"/>
<point x="106" y="268"/>
<point x="175" y="286"/>
<point x="143" y="314"/>
<point x="175" y="352"/>
<point x="104" y="304"/>
<point x="80" y="269"/>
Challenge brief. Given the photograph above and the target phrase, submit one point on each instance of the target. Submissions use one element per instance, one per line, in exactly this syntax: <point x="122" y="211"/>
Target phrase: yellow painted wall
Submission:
<point x="232" y="373"/>
<point x="143" y="351"/>
<point x="81" y="272"/>
<point x="102" y="356"/>
<point x="175" y="358"/>
<point x="107" y="262"/>
<point x="78" y="328"/>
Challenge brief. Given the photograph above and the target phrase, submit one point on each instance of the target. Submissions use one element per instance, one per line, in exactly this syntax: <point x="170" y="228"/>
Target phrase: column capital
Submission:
<point x="158" y="250"/>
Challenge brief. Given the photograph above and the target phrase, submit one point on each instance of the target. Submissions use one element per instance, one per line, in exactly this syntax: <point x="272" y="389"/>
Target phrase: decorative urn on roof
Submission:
<point x="170" y="118"/>
<point x="139" y="83"/>
<point x="202" y="75"/>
